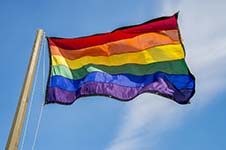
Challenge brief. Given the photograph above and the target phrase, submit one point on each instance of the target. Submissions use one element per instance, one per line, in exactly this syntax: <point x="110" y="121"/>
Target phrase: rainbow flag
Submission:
<point x="121" y="64"/>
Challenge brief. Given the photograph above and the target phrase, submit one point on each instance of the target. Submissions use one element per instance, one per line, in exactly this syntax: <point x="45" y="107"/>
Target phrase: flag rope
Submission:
<point x="33" y="89"/>
<point x="38" y="126"/>
<point x="43" y="87"/>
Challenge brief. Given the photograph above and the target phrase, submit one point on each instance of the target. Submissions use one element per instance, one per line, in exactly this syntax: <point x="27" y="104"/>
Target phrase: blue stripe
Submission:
<point x="127" y="80"/>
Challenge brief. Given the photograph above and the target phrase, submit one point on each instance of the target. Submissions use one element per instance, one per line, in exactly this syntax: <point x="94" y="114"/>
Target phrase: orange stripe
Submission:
<point x="135" y="44"/>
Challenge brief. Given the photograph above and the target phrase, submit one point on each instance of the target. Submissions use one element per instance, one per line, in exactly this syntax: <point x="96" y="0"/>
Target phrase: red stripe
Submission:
<point x="156" y="25"/>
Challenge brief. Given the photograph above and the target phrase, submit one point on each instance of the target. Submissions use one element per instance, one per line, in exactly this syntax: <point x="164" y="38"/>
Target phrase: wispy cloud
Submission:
<point x="203" y="28"/>
<point x="145" y="116"/>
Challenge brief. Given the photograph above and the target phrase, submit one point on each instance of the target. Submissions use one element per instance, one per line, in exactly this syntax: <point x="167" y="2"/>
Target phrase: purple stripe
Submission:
<point x="160" y="87"/>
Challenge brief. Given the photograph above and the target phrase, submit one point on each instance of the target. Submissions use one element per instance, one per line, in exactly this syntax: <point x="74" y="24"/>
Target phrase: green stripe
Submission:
<point x="170" y="67"/>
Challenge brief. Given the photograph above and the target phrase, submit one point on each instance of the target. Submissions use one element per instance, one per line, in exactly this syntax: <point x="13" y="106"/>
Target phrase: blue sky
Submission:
<point x="148" y="122"/>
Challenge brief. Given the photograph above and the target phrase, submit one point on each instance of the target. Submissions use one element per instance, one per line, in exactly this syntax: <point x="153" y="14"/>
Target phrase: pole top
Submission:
<point x="40" y="30"/>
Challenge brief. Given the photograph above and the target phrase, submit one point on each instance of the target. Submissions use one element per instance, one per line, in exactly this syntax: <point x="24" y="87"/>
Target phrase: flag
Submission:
<point x="121" y="64"/>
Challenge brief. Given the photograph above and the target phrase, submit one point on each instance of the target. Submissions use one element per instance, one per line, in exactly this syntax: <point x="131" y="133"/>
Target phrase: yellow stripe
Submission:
<point x="150" y="55"/>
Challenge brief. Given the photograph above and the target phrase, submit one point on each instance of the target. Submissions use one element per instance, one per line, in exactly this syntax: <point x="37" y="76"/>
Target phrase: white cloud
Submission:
<point x="202" y="24"/>
<point x="145" y="115"/>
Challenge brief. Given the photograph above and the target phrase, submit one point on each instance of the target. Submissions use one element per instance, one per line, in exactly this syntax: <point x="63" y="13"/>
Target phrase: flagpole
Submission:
<point x="16" y="129"/>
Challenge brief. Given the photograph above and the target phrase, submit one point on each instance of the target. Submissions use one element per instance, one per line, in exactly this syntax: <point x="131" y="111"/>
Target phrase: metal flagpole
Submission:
<point x="16" y="129"/>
